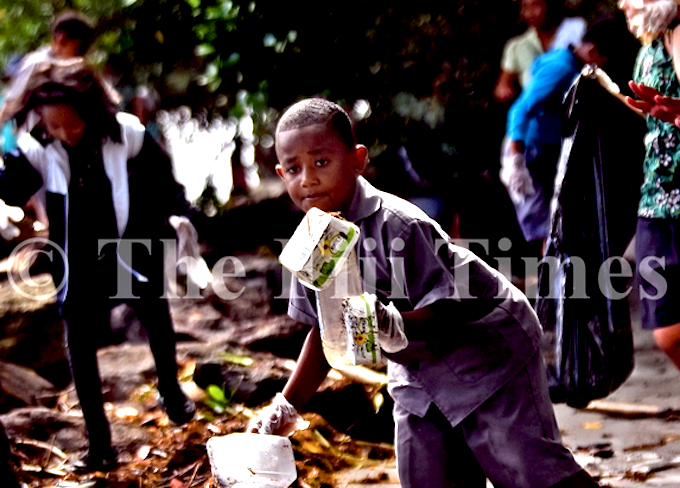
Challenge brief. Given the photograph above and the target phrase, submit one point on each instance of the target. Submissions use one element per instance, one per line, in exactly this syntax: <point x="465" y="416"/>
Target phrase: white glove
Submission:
<point x="515" y="177"/>
<point x="278" y="418"/>
<point x="391" y="335"/>
<point x="187" y="247"/>
<point x="8" y="230"/>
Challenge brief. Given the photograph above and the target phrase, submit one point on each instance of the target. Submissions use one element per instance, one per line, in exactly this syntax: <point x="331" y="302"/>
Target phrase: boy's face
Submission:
<point x="318" y="168"/>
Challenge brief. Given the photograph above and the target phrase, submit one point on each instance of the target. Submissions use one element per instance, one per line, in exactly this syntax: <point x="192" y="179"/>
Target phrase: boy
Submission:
<point x="470" y="393"/>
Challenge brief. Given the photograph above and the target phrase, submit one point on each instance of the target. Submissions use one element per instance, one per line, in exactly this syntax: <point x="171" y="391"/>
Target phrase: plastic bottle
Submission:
<point x="335" y="338"/>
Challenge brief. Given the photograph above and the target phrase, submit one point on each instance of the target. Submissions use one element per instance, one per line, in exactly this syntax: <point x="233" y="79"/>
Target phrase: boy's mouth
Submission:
<point x="313" y="197"/>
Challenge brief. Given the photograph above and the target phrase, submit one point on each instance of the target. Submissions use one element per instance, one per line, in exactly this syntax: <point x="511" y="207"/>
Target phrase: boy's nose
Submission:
<point x="308" y="177"/>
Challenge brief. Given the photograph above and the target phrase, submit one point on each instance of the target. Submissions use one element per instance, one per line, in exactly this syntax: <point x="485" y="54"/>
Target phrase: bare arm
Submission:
<point x="440" y="318"/>
<point x="506" y="86"/>
<point x="312" y="368"/>
<point x="652" y="102"/>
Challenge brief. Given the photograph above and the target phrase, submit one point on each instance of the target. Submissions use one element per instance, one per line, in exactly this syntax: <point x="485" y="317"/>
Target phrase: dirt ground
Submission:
<point x="246" y="348"/>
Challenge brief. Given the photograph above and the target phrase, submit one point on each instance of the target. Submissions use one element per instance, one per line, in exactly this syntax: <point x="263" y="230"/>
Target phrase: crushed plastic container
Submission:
<point x="318" y="248"/>
<point x="247" y="460"/>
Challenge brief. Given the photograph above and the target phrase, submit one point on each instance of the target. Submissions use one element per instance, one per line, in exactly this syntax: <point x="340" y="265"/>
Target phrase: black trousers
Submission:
<point x="87" y="318"/>
<point x="6" y="471"/>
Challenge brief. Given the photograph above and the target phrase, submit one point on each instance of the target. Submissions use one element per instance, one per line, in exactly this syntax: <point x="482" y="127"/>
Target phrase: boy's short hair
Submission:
<point x="76" y="26"/>
<point x="314" y="111"/>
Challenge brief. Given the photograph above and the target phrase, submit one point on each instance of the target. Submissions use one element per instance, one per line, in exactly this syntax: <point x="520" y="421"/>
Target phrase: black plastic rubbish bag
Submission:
<point x="588" y="341"/>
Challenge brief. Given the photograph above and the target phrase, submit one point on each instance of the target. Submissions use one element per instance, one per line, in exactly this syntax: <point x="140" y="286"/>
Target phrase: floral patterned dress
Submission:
<point x="660" y="191"/>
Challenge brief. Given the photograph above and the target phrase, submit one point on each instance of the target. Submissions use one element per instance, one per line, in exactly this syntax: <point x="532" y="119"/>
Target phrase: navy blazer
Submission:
<point x="144" y="193"/>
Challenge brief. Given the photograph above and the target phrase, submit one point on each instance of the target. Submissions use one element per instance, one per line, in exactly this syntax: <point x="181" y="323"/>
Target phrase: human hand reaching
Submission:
<point x="278" y="418"/>
<point x="8" y="215"/>
<point x="515" y="176"/>
<point x="188" y="251"/>
<point x="652" y="102"/>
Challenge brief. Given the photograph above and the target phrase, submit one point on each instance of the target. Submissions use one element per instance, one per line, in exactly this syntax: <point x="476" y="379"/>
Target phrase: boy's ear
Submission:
<point x="279" y="171"/>
<point x="359" y="158"/>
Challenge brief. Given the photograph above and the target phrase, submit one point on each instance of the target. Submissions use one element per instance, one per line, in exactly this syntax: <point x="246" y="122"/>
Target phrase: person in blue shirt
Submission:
<point x="534" y="126"/>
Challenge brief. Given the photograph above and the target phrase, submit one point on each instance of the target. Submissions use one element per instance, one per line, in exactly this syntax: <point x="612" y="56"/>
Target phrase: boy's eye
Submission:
<point x="322" y="162"/>
<point x="291" y="170"/>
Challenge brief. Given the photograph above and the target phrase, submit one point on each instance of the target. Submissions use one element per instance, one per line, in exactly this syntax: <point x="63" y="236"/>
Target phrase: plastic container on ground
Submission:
<point x="247" y="460"/>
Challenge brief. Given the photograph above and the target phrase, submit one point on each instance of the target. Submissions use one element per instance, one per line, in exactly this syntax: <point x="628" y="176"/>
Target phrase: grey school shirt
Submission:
<point x="405" y="257"/>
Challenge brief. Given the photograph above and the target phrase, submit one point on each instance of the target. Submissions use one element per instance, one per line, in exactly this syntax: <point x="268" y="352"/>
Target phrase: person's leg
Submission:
<point x="154" y="315"/>
<point x="668" y="340"/>
<point x="658" y="271"/>
<point x="515" y="437"/>
<point x="82" y="351"/>
<point x="433" y="454"/>
<point x="579" y="480"/>
<point x="7" y="475"/>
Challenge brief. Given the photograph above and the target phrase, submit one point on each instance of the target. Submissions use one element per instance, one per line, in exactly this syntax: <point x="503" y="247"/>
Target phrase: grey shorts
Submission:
<point x="658" y="238"/>
<point x="512" y="439"/>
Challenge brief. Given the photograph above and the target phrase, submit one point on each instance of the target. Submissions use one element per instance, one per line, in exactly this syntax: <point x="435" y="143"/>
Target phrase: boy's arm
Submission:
<point x="281" y="416"/>
<point x="420" y="325"/>
<point x="435" y="320"/>
<point x="310" y="371"/>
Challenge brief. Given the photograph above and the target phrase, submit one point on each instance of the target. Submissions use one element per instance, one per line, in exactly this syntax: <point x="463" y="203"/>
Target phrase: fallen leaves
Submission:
<point x="176" y="457"/>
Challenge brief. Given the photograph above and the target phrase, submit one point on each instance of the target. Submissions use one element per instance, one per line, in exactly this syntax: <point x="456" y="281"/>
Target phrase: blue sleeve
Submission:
<point x="551" y="74"/>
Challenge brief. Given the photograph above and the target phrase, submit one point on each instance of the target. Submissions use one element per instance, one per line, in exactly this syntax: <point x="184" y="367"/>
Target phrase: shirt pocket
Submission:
<point x="482" y="351"/>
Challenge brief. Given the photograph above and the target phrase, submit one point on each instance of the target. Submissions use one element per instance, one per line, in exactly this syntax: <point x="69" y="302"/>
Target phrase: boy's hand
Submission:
<point x="391" y="335"/>
<point x="278" y="418"/>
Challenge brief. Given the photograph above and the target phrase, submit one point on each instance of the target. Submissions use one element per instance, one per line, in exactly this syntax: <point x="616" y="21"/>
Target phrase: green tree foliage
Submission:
<point x="425" y="68"/>
<point x="25" y="25"/>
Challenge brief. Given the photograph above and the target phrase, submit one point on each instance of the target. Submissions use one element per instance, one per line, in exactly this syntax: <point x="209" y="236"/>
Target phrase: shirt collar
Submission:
<point x="366" y="201"/>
